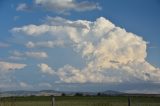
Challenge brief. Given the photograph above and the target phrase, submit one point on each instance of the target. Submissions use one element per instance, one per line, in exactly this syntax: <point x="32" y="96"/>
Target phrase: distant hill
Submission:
<point x="30" y="93"/>
<point x="53" y="92"/>
<point x="67" y="93"/>
<point x="111" y="92"/>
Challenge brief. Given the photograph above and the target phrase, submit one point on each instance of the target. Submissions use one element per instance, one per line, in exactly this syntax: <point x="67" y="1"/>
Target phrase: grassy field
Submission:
<point x="80" y="101"/>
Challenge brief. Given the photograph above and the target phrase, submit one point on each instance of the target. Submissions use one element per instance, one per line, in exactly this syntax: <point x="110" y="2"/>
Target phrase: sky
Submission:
<point x="80" y="45"/>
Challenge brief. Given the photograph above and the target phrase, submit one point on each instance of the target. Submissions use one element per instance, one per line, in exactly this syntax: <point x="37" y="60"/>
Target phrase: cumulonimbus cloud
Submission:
<point x="112" y="54"/>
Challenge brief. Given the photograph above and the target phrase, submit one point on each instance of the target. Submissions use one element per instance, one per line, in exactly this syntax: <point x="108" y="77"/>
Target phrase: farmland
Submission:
<point x="80" y="101"/>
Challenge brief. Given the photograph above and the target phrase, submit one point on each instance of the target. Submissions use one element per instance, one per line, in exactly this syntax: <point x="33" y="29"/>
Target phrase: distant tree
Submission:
<point x="32" y="95"/>
<point x="52" y="95"/>
<point x="63" y="94"/>
<point x="78" y="94"/>
<point x="99" y="94"/>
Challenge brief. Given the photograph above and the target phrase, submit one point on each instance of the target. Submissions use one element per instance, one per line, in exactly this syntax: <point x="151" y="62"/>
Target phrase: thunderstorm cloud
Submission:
<point x="111" y="54"/>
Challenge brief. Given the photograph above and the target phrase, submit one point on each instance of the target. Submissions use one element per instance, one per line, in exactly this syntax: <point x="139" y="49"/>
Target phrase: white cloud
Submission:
<point x="37" y="54"/>
<point x="70" y="74"/>
<point x="22" y="7"/>
<point x="4" y="45"/>
<point x="16" y="58"/>
<point x="6" y="78"/>
<point x="44" y="68"/>
<point x="15" y="18"/>
<point x="24" y="85"/>
<point x="32" y="54"/>
<point x="112" y="54"/>
<point x="32" y="30"/>
<point x="30" y="45"/>
<point x="145" y="91"/>
<point x="144" y="71"/>
<point x="62" y="6"/>
<point x="48" y="44"/>
<point x="48" y="85"/>
<point x="6" y="66"/>
<point x="17" y="53"/>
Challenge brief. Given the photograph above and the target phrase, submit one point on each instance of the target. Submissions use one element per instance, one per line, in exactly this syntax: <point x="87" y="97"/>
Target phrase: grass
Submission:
<point x="80" y="101"/>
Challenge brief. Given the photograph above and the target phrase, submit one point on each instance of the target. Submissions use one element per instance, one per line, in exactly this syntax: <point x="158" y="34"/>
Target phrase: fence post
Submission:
<point x="129" y="101"/>
<point x="13" y="101"/>
<point x="53" y="101"/>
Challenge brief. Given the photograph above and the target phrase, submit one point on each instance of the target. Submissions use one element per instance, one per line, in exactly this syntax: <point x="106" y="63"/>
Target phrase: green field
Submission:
<point x="80" y="101"/>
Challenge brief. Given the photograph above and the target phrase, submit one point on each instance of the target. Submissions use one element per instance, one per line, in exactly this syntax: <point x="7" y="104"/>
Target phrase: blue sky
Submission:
<point x="80" y="45"/>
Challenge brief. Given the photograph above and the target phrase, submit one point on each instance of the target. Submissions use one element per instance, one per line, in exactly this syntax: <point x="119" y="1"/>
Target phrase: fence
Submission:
<point x="25" y="101"/>
<point x="78" y="101"/>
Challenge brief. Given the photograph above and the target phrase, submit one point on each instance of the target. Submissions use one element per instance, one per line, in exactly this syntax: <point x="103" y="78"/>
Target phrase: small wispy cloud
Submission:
<point x="64" y="6"/>
<point x="23" y="7"/>
<point x="36" y="54"/>
<point x="15" y="18"/>
<point x="7" y="66"/>
<point x="4" y="45"/>
<point x="31" y="54"/>
<point x="17" y="58"/>
<point x="47" y="44"/>
<point x="152" y="47"/>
